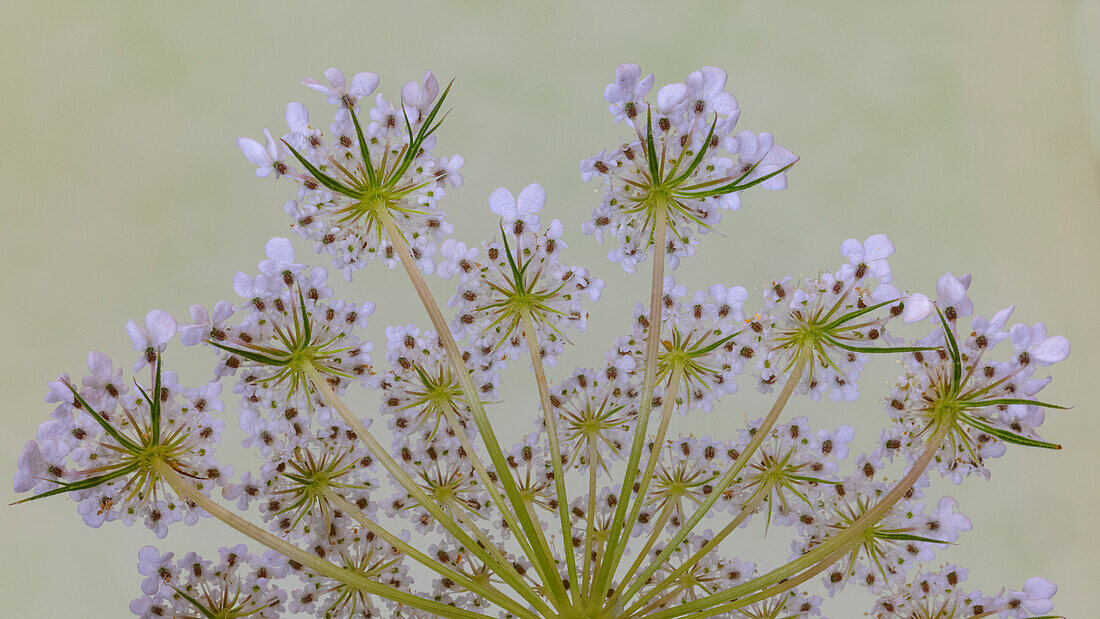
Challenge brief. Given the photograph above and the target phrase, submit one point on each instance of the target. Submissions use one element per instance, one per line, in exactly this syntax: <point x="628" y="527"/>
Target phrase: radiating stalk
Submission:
<point x="651" y="465"/>
<point x="188" y="490"/>
<point x="479" y="467"/>
<point x="819" y="556"/>
<point x="541" y="557"/>
<point x="590" y="526"/>
<point x="724" y="482"/>
<point x="486" y="590"/>
<point x="548" y="414"/>
<point x="746" y="510"/>
<point x="505" y="570"/>
<point x="614" y="548"/>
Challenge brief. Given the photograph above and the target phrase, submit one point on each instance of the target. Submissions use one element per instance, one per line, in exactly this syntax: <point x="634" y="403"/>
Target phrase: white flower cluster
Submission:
<point x="683" y="150"/>
<point x="503" y="282"/>
<point x="364" y="172"/>
<point x="604" y="510"/>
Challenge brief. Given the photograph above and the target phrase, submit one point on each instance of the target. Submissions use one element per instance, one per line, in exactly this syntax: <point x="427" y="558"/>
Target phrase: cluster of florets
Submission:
<point x="988" y="398"/>
<point x="239" y="584"/>
<point x="683" y="152"/>
<point x="364" y="171"/>
<point x="937" y="595"/>
<point x="104" y="436"/>
<point x="288" y="330"/>
<point x="503" y="283"/>
<point x="491" y="522"/>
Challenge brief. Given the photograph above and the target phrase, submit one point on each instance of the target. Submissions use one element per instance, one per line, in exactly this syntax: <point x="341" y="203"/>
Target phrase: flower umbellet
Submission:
<point x="602" y="510"/>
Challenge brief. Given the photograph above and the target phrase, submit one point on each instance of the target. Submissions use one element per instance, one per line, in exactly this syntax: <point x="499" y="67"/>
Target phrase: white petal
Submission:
<point x="99" y="363"/>
<point x="363" y="84"/>
<point x="724" y="103"/>
<point x="242" y="285"/>
<point x="410" y="94"/>
<point x="670" y="95"/>
<point x="502" y="203"/>
<point x="1039" y="588"/>
<point x="878" y="246"/>
<point x="136" y="335"/>
<point x="160" y="325"/>
<point x="1051" y="350"/>
<point x="950" y="289"/>
<point x="254" y="152"/>
<point x="852" y="250"/>
<point x="335" y="77"/>
<point x="297" y="117"/>
<point x="714" y="80"/>
<point x="1000" y="318"/>
<point x="280" y="250"/>
<point x="319" y="87"/>
<point x="917" y="307"/>
<point x="531" y="199"/>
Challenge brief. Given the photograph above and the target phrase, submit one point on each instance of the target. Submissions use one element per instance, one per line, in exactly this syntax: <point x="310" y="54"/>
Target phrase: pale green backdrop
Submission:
<point x="967" y="131"/>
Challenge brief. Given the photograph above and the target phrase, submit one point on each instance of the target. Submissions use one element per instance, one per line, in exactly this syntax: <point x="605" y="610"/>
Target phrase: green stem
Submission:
<point x="479" y="467"/>
<point x="834" y="545"/>
<point x="188" y="490"/>
<point x="614" y="549"/>
<point x="658" y="528"/>
<point x="746" y="510"/>
<point x="548" y="414"/>
<point x="487" y="591"/>
<point x="725" y="481"/>
<point x="541" y="557"/>
<point x="590" y="526"/>
<point x="505" y="570"/>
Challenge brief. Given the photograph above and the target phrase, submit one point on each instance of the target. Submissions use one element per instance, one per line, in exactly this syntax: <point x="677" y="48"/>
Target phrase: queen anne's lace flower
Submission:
<point x="604" y="510"/>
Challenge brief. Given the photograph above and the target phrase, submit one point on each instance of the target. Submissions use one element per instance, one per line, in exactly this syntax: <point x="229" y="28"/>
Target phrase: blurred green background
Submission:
<point x="969" y="132"/>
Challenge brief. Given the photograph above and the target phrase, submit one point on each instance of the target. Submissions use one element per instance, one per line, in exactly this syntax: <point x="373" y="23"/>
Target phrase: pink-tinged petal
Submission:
<point x="254" y="152"/>
<point x="161" y="326"/>
<point x="1051" y="350"/>
<point x="531" y="199"/>
<point x="877" y="247"/>
<point x="670" y="96"/>
<point x="363" y="84"/>
<point x="335" y="77"/>
<point x="502" y="203"/>
<point x="643" y="86"/>
<point x="280" y="250"/>
<point x="852" y="250"/>
<point x="297" y="117"/>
